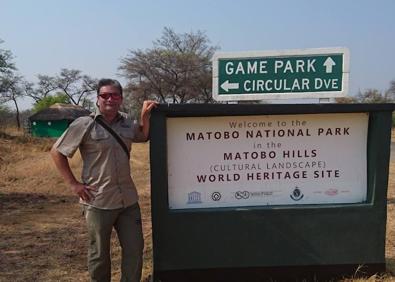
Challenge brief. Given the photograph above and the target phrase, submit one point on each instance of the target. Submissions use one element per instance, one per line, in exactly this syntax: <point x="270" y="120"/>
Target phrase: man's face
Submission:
<point x="109" y="99"/>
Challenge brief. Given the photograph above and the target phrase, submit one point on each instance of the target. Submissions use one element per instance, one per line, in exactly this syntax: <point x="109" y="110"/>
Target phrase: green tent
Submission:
<point x="53" y="121"/>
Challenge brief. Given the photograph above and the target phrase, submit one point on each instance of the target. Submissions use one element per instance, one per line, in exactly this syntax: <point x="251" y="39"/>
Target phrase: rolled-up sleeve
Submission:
<point x="68" y="143"/>
<point x="138" y="135"/>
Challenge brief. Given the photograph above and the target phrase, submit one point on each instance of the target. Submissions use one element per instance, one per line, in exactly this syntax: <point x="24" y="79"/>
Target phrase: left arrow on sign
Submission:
<point x="229" y="86"/>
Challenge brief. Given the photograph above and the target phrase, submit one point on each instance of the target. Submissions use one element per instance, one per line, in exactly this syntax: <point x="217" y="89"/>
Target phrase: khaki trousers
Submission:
<point x="127" y="223"/>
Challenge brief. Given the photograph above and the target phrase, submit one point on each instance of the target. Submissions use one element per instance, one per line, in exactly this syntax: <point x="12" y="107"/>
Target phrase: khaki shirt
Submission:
<point x="105" y="164"/>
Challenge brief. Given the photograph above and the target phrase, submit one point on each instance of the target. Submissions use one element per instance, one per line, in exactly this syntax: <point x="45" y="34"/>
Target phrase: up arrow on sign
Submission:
<point x="228" y="86"/>
<point x="329" y="63"/>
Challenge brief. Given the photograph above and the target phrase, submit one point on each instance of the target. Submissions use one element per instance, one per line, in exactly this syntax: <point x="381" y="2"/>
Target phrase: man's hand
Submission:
<point x="83" y="191"/>
<point x="62" y="164"/>
<point x="148" y="105"/>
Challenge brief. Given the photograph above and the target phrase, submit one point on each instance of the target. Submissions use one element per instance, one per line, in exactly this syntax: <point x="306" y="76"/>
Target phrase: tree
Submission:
<point x="45" y="86"/>
<point x="72" y="83"/>
<point x="346" y="100"/>
<point x="50" y="100"/>
<point x="5" y="115"/>
<point x="88" y="104"/>
<point x="10" y="82"/>
<point x="11" y="91"/>
<point x="7" y="67"/>
<point x="176" y="70"/>
<point x="6" y="64"/>
<point x="371" y="96"/>
<point x="75" y="85"/>
<point x="390" y="93"/>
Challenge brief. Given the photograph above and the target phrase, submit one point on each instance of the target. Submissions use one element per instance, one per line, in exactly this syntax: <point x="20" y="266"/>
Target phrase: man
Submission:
<point x="106" y="189"/>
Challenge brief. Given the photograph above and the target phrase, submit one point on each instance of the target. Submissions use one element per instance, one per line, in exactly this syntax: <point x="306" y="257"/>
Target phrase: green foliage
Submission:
<point x="49" y="101"/>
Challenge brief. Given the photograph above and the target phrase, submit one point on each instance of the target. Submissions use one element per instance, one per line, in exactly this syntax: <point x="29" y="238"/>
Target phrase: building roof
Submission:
<point x="60" y="111"/>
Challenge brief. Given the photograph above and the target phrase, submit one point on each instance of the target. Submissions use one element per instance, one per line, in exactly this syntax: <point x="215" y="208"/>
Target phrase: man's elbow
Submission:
<point x="55" y="154"/>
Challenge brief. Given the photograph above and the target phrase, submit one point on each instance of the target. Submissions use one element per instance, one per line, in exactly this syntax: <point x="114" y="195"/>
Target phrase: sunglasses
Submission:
<point x="114" y="96"/>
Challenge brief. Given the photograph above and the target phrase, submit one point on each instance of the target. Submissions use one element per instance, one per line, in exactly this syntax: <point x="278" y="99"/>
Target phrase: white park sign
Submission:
<point x="238" y="161"/>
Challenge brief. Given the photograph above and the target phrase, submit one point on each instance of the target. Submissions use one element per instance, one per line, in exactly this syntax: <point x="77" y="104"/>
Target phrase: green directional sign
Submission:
<point x="307" y="73"/>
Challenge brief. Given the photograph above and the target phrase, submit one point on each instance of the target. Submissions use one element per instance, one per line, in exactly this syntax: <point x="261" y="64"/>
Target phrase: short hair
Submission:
<point x="109" y="82"/>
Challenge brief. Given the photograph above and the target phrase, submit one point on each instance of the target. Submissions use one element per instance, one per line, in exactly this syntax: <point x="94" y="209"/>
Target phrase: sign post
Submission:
<point x="269" y="192"/>
<point x="306" y="73"/>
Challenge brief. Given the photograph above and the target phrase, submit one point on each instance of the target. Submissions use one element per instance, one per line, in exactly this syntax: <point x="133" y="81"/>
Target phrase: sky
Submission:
<point x="94" y="35"/>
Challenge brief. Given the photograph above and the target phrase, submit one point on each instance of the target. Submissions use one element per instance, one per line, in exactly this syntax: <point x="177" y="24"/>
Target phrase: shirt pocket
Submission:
<point x="98" y="134"/>
<point x="99" y="141"/>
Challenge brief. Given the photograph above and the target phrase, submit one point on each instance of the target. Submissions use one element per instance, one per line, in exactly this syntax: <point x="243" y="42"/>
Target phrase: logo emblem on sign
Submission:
<point x="331" y="192"/>
<point x="216" y="196"/>
<point x="242" y="195"/>
<point x="194" y="198"/>
<point x="296" y="194"/>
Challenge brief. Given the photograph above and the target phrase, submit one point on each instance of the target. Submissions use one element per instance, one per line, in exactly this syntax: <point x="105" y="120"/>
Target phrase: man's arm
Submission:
<point x="148" y="105"/>
<point x="63" y="166"/>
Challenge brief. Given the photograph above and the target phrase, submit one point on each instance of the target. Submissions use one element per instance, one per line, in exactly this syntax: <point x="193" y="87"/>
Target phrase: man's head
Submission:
<point x="109" y="96"/>
<point x="108" y="82"/>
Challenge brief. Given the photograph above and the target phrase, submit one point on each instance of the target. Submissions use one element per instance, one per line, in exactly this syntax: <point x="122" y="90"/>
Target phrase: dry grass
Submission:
<point x="42" y="231"/>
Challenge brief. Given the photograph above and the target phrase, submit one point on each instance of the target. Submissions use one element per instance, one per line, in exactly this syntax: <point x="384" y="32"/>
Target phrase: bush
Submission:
<point x="49" y="101"/>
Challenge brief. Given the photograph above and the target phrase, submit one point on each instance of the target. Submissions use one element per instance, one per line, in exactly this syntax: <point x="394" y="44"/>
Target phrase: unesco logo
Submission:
<point x="242" y="195"/>
<point x="216" y="196"/>
<point x="194" y="198"/>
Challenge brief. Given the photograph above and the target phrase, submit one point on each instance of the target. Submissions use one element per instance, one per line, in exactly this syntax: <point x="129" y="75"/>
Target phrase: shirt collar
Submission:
<point x="98" y="113"/>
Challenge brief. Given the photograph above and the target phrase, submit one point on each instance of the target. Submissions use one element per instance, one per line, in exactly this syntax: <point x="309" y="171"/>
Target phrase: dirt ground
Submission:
<point x="42" y="231"/>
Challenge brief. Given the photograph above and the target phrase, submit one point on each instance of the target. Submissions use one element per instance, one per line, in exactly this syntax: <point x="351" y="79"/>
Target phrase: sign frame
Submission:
<point x="290" y="53"/>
